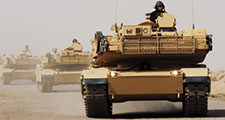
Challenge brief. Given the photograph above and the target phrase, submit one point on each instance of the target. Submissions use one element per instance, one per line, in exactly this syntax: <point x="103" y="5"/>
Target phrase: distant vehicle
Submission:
<point x="149" y="61"/>
<point x="20" y="67"/>
<point x="3" y="61"/>
<point x="62" y="67"/>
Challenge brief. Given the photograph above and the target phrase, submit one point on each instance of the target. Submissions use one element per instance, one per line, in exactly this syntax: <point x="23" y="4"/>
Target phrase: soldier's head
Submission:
<point x="26" y="47"/>
<point x="75" y="41"/>
<point x="159" y="6"/>
<point x="54" y="50"/>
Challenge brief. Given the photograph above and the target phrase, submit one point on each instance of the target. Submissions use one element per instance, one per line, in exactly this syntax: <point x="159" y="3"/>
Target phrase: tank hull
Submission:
<point x="69" y="77"/>
<point x="10" y="75"/>
<point x="151" y="85"/>
<point x="61" y="74"/>
<point x="23" y="74"/>
<point x="187" y="85"/>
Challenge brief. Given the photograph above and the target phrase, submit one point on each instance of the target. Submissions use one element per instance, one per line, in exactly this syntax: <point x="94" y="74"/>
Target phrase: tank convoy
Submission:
<point x="20" y="67"/>
<point x="148" y="61"/>
<point x="63" y="67"/>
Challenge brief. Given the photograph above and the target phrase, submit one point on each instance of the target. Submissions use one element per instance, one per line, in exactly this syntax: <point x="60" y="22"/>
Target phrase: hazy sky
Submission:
<point x="47" y="24"/>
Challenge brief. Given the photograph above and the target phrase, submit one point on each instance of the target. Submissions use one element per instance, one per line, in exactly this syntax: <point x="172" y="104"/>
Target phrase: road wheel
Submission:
<point x="97" y="104"/>
<point x="195" y="103"/>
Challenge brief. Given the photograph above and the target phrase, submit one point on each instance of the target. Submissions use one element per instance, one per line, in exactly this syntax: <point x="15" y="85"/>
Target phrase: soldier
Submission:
<point x="4" y="59"/>
<point x="77" y="47"/>
<point x="54" y="50"/>
<point x="159" y="8"/>
<point x="26" y="51"/>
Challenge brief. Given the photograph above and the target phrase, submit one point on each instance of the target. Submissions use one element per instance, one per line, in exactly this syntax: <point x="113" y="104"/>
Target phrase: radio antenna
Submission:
<point x="193" y="15"/>
<point x="116" y="12"/>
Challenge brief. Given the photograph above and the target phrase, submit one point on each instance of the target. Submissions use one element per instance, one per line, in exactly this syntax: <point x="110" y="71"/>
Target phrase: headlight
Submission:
<point x="113" y="74"/>
<point x="176" y="73"/>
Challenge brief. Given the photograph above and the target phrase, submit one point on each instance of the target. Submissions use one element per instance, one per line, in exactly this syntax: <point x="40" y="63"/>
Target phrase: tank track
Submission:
<point x="195" y="103"/>
<point x="97" y="104"/>
<point x="46" y="85"/>
<point x="6" y="79"/>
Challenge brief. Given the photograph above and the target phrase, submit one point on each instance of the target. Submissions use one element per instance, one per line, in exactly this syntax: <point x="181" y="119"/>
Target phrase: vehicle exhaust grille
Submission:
<point x="158" y="45"/>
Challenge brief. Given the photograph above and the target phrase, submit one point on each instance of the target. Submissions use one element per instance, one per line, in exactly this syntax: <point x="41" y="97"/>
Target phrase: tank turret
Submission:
<point x="151" y="42"/>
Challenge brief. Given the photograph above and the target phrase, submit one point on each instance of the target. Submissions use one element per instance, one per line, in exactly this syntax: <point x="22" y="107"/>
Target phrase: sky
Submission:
<point x="47" y="24"/>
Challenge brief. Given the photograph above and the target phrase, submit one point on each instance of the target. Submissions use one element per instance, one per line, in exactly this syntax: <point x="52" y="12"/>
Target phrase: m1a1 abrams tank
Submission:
<point x="62" y="67"/>
<point x="3" y="62"/>
<point x="20" y="67"/>
<point x="148" y="61"/>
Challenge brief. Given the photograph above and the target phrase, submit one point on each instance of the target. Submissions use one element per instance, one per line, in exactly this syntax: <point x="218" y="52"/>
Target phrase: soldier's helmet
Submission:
<point x="159" y="4"/>
<point x="27" y="47"/>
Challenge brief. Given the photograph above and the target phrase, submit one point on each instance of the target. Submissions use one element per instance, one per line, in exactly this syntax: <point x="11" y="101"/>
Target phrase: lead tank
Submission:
<point x="20" y="67"/>
<point x="63" y="67"/>
<point x="148" y="61"/>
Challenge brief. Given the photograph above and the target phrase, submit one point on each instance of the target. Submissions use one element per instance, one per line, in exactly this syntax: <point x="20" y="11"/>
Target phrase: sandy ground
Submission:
<point x="218" y="82"/>
<point x="22" y="101"/>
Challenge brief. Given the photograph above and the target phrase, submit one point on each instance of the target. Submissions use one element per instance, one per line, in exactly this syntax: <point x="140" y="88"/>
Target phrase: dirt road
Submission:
<point x="22" y="101"/>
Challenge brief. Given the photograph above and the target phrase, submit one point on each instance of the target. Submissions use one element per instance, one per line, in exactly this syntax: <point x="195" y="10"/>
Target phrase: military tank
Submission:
<point x="3" y="61"/>
<point x="148" y="61"/>
<point x="62" y="68"/>
<point x="20" y="67"/>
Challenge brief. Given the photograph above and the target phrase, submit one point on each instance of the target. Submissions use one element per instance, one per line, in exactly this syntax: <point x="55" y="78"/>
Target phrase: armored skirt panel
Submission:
<point x="111" y="58"/>
<point x="147" y="87"/>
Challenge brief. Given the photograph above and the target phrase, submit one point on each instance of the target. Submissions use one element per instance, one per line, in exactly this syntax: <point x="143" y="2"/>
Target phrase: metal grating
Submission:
<point x="69" y="59"/>
<point x="139" y="46"/>
<point x="158" y="45"/>
<point x="26" y="61"/>
<point x="74" y="60"/>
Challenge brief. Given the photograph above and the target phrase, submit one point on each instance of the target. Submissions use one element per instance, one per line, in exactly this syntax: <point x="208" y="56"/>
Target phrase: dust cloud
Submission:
<point x="146" y="108"/>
